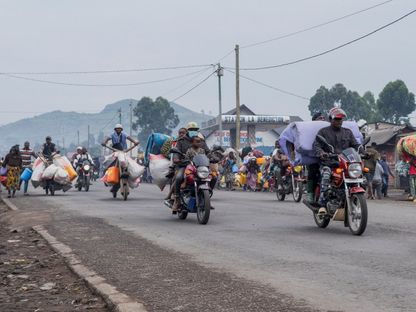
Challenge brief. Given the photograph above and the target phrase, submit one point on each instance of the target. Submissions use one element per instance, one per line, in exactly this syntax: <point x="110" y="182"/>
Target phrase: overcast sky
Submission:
<point x="79" y="35"/>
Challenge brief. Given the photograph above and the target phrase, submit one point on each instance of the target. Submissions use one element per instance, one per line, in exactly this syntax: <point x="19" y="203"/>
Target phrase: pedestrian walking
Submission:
<point x="13" y="163"/>
<point x="371" y="162"/>
<point x="387" y="173"/>
<point x="378" y="180"/>
<point x="27" y="153"/>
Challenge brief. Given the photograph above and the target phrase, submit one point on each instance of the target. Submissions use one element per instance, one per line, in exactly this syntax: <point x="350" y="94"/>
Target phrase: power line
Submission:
<point x="271" y="87"/>
<point x="107" y="71"/>
<point x="194" y="87"/>
<point x="330" y="50"/>
<point x="291" y="34"/>
<point x="102" y="85"/>
<point x="186" y="82"/>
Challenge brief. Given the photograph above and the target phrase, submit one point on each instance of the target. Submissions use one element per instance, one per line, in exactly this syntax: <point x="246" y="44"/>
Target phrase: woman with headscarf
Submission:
<point x="13" y="163"/>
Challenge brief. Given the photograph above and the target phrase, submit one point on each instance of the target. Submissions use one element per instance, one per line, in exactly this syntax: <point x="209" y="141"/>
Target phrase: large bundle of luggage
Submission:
<point x="407" y="145"/>
<point x="157" y="143"/>
<point x="297" y="139"/>
<point x="59" y="170"/>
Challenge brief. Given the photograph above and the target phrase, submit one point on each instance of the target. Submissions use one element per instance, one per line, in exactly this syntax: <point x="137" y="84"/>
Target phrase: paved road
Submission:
<point x="264" y="243"/>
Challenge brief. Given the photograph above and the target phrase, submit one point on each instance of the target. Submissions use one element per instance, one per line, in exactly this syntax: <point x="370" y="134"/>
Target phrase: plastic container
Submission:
<point x="26" y="174"/>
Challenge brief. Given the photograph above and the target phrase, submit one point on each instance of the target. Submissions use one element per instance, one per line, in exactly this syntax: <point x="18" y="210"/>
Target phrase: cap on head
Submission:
<point x="79" y="148"/>
<point x="337" y="113"/>
<point x="318" y="116"/>
<point x="192" y="126"/>
<point x="118" y="126"/>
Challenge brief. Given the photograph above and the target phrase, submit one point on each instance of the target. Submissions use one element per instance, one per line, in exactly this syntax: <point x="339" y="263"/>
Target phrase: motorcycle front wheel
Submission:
<point x="204" y="207"/>
<point x="87" y="184"/>
<point x="297" y="191"/>
<point x="357" y="214"/>
<point x="125" y="190"/>
<point x="280" y="192"/>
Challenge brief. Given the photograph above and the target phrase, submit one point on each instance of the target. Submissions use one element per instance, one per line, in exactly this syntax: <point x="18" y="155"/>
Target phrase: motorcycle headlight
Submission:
<point x="203" y="172"/>
<point x="86" y="167"/>
<point x="298" y="169"/>
<point x="355" y="171"/>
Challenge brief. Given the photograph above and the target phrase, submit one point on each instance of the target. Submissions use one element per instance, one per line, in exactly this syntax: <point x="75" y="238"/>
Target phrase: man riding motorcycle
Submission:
<point x="340" y="138"/>
<point x="118" y="141"/>
<point x="183" y="145"/>
<point x="79" y="160"/>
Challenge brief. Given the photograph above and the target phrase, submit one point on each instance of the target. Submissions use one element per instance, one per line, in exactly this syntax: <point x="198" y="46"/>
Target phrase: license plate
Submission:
<point x="354" y="180"/>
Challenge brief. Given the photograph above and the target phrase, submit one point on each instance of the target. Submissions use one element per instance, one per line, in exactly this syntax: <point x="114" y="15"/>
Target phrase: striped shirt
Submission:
<point x="26" y="157"/>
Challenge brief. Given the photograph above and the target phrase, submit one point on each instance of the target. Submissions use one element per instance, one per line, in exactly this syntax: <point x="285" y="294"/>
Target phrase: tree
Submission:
<point x="321" y="101"/>
<point x="154" y="116"/>
<point x="395" y="101"/>
<point x="371" y="103"/>
<point x="355" y="106"/>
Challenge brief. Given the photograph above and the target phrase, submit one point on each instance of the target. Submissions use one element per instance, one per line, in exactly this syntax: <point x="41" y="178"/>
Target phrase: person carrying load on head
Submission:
<point x="27" y="153"/>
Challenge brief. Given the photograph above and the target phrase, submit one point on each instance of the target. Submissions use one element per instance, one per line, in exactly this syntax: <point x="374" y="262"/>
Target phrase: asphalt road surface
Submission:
<point x="263" y="254"/>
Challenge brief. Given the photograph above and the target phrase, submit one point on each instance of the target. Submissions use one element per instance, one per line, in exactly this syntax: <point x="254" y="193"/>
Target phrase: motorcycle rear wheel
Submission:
<point x="357" y="217"/>
<point x="204" y="207"/>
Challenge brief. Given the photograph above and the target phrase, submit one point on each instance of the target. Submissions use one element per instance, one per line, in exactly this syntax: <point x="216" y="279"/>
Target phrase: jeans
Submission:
<point x="180" y="176"/>
<point x="412" y="181"/>
<point x="385" y="185"/>
<point x="377" y="185"/>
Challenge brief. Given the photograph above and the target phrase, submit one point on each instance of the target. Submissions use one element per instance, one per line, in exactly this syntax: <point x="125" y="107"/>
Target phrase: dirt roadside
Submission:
<point x="34" y="278"/>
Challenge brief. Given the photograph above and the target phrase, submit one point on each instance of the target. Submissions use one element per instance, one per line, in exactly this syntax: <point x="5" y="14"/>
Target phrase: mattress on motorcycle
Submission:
<point x="300" y="136"/>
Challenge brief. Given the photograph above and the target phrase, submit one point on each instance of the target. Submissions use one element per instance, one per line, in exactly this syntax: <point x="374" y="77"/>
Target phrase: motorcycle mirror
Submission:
<point x="366" y="141"/>
<point x="322" y="140"/>
<point x="175" y="151"/>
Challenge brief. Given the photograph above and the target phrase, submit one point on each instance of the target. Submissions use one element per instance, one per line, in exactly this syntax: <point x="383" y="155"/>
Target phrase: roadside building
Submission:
<point x="258" y="131"/>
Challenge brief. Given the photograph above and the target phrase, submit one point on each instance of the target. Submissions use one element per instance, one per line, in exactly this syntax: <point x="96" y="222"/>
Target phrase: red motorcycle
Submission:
<point x="345" y="196"/>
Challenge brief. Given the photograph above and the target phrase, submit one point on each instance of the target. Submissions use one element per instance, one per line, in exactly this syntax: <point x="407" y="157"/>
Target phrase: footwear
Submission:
<point x="322" y="211"/>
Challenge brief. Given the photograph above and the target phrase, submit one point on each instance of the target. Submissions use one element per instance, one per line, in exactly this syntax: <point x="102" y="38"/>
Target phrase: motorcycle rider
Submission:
<point x="183" y="145"/>
<point x="340" y="138"/>
<point x="48" y="148"/>
<point x="79" y="159"/>
<point x="119" y="138"/>
<point x="118" y="141"/>
<point x="75" y="155"/>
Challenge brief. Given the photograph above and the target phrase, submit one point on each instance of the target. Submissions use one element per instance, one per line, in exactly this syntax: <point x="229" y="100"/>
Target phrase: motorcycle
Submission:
<point x="293" y="182"/>
<point x="346" y="193"/>
<point x="49" y="185"/>
<point x="84" y="175"/>
<point x="123" y="170"/>
<point x="195" y="196"/>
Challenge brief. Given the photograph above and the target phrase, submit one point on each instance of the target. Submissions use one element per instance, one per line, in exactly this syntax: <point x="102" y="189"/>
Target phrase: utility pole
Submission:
<point x="220" y="73"/>
<point x="237" y="97"/>
<point x="88" y="140"/>
<point x="78" y="136"/>
<point x="131" y="125"/>
<point x="119" y="115"/>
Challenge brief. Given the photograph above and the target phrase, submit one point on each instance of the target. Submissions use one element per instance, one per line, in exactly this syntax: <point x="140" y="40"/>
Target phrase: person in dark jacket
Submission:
<point x="13" y="163"/>
<point x="183" y="145"/>
<point x="340" y="138"/>
<point x="48" y="148"/>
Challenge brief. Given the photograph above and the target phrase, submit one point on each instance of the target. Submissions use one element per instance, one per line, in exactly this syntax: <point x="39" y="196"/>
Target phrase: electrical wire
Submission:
<point x="291" y="34"/>
<point x="194" y="87"/>
<point x="106" y="71"/>
<point x="186" y="82"/>
<point x="330" y="50"/>
<point x="271" y="87"/>
<point x="102" y="85"/>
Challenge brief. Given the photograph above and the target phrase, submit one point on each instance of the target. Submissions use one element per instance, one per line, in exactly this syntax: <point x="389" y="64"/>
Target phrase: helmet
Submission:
<point x="192" y="125"/>
<point x="337" y="112"/>
<point x="118" y="126"/>
<point x="79" y="148"/>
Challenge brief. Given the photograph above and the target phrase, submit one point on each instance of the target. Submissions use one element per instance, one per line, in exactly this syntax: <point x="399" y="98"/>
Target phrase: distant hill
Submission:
<point x="63" y="126"/>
